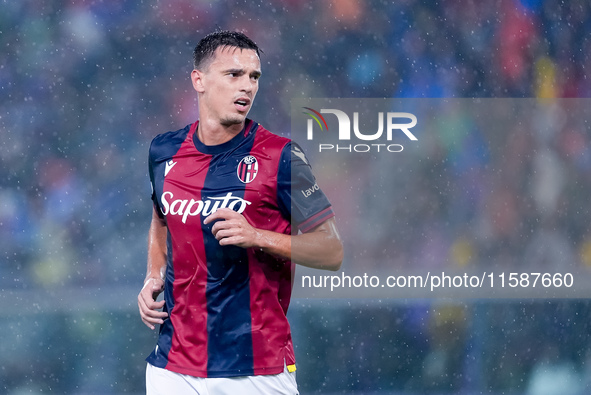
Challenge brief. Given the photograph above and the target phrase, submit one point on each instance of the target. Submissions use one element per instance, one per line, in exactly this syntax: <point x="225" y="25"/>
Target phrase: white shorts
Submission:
<point x="164" y="382"/>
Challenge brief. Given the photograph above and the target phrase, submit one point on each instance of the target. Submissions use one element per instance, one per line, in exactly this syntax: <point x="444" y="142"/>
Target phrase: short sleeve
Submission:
<point x="153" y="181"/>
<point x="299" y="196"/>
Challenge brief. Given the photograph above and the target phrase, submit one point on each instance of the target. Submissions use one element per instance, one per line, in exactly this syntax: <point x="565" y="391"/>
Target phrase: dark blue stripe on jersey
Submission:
<point x="160" y="153"/>
<point x="284" y="182"/>
<point x="228" y="292"/>
<point x="159" y="356"/>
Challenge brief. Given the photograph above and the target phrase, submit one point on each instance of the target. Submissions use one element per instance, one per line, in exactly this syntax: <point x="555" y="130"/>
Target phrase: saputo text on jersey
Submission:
<point x="192" y="207"/>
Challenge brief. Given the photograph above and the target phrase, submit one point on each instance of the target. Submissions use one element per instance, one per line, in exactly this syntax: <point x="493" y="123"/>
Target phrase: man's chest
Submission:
<point x="196" y="185"/>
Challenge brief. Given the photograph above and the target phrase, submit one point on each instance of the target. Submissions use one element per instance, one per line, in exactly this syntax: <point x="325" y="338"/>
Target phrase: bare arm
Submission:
<point x="321" y="248"/>
<point x="154" y="282"/>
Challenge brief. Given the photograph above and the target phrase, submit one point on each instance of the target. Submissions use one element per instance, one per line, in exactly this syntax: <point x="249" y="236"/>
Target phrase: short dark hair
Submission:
<point x="222" y="38"/>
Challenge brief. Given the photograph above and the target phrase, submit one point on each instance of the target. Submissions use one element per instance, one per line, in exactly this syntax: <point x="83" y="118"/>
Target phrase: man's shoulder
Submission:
<point x="270" y="139"/>
<point x="172" y="136"/>
<point x="167" y="141"/>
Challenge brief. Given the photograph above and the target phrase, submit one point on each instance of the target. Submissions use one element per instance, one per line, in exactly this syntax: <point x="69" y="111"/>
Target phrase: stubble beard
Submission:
<point x="233" y="119"/>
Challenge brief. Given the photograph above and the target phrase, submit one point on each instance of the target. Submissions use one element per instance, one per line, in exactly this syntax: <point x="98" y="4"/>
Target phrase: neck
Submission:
<point x="213" y="133"/>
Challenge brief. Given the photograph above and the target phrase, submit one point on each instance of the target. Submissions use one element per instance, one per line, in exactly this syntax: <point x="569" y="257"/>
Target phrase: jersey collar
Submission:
<point x="249" y="127"/>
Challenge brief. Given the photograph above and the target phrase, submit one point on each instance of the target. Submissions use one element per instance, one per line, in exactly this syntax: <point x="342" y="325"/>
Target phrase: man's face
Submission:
<point x="228" y="84"/>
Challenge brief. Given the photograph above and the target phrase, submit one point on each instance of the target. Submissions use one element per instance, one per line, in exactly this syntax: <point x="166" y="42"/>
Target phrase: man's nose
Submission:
<point x="247" y="84"/>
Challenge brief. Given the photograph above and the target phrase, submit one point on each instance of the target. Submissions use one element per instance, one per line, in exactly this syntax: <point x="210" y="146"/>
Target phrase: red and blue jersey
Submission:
<point x="227" y="305"/>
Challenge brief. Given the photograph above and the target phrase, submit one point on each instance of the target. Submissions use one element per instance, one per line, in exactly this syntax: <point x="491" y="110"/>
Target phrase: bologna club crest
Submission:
<point x="248" y="169"/>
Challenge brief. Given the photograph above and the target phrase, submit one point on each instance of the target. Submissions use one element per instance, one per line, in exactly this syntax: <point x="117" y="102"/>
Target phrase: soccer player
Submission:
<point x="221" y="243"/>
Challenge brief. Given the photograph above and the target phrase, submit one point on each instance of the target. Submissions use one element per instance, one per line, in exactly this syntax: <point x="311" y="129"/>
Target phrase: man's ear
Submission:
<point x="197" y="80"/>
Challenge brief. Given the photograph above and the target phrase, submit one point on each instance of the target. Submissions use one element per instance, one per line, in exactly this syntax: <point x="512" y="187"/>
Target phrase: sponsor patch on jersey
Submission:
<point x="190" y="207"/>
<point x="247" y="169"/>
<point x="310" y="191"/>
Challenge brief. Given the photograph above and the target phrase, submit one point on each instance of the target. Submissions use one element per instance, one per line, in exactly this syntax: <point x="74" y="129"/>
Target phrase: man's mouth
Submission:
<point x="242" y="104"/>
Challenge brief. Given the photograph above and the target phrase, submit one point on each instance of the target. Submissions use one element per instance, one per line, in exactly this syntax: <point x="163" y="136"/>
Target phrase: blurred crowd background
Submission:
<point x="86" y="84"/>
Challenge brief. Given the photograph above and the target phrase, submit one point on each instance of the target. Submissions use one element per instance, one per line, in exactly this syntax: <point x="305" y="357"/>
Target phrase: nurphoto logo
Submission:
<point x="397" y="123"/>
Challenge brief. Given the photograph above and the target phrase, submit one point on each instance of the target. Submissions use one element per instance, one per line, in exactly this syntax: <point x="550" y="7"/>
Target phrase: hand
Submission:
<point x="232" y="228"/>
<point x="149" y="308"/>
